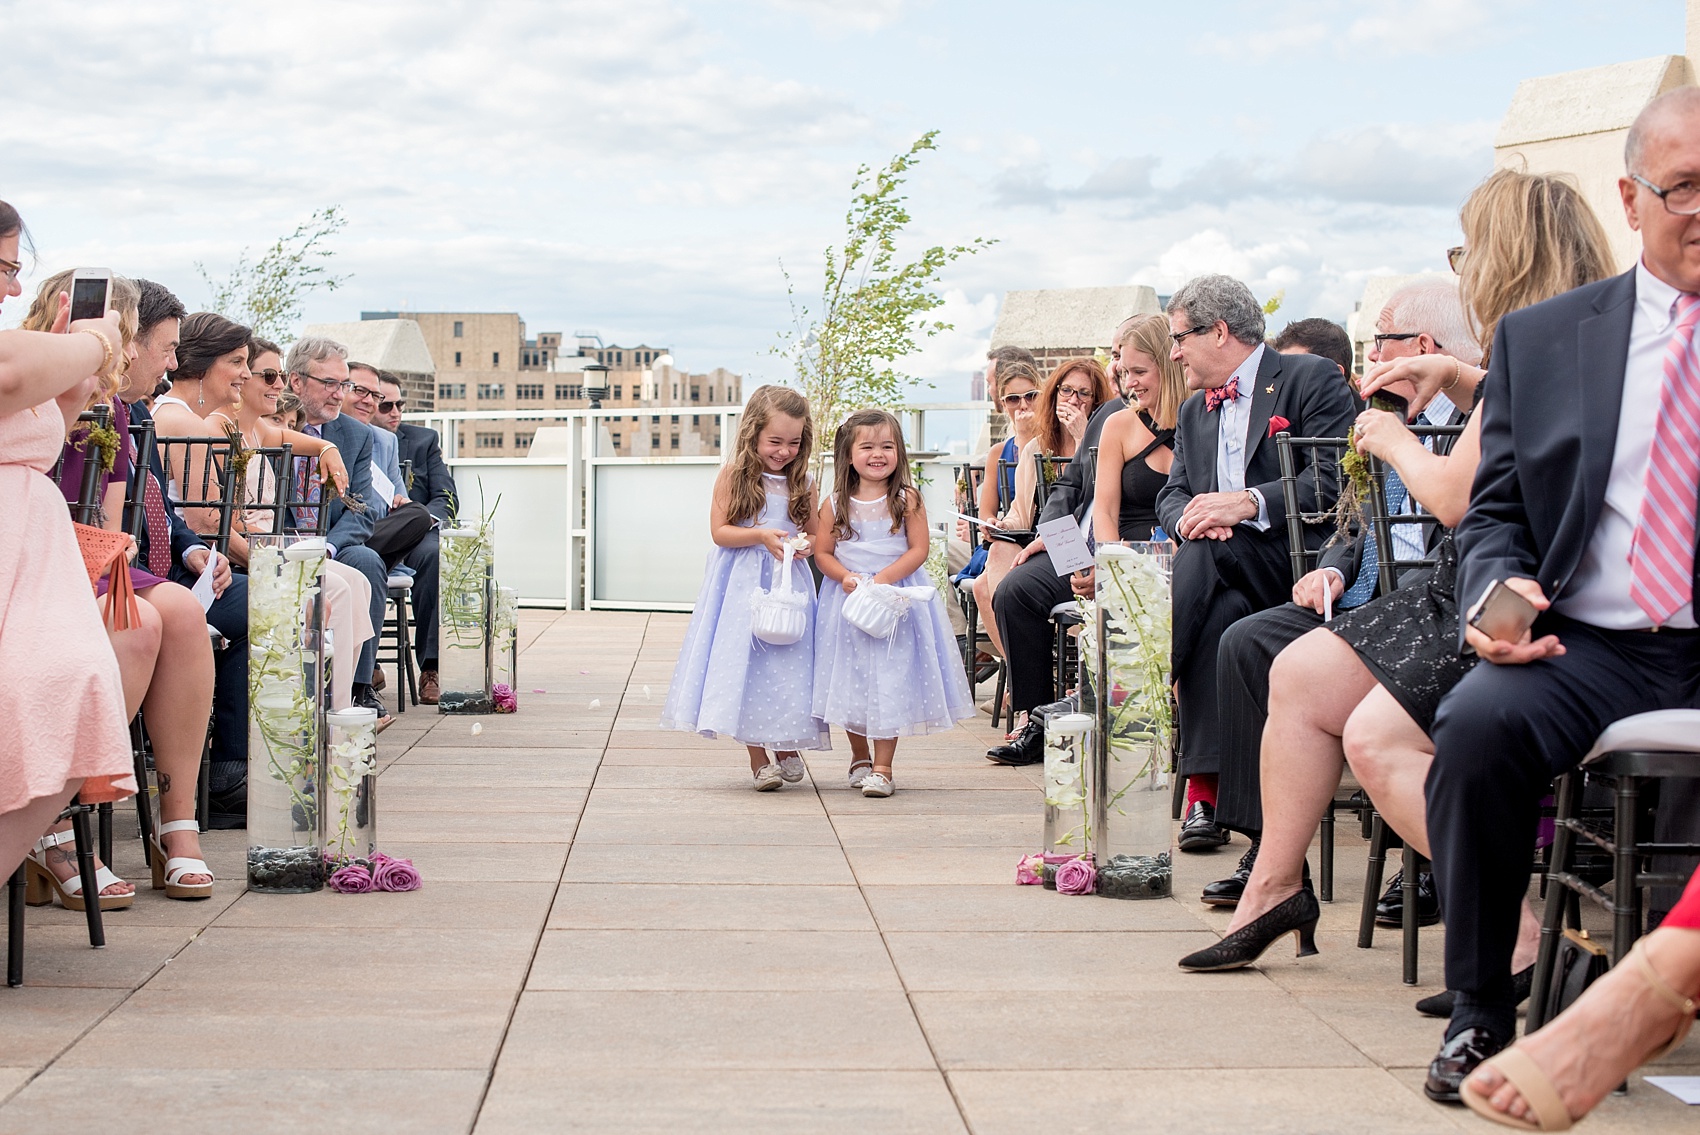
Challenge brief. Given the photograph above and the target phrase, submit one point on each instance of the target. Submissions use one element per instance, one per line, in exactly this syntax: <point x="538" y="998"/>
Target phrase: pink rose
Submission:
<point x="503" y="695"/>
<point x="352" y="879"/>
<point x="1077" y="877"/>
<point x="394" y="874"/>
<point x="1030" y="872"/>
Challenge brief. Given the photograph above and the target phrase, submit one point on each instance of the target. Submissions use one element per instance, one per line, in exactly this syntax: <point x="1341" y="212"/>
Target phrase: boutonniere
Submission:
<point x="1276" y="424"/>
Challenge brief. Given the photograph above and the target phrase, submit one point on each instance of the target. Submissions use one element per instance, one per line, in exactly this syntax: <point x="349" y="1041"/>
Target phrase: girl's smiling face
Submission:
<point x="779" y="442"/>
<point x="257" y="393"/>
<point x="1140" y="377"/>
<point x="874" y="454"/>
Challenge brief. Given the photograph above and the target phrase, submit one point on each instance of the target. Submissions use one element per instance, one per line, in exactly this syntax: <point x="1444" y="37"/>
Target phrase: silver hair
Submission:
<point x="1433" y="306"/>
<point x="1207" y="299"/>
<point x="1677" y="101"/>
<point x="310" y="349"/>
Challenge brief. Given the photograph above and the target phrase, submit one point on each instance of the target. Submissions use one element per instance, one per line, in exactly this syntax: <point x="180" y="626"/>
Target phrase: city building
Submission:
<point x="391" y="344"/>
<point x="485" y="361"/>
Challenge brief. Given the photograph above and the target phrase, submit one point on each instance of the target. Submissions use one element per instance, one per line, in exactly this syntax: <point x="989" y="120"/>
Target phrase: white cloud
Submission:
<point x="847" y="15"/>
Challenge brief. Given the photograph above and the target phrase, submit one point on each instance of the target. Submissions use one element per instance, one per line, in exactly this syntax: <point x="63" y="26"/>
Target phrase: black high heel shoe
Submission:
<point x="1297" y="916"/>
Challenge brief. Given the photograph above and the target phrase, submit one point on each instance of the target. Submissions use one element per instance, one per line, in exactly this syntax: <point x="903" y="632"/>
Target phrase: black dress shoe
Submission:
<point x="1390" y="907"/>
<point x="1297" y="916"/>
<point x="1227" y="892"/>
<point x="1028" y="748"/>
<point x="1457" y="1058"/>
<point x="1440" y="1004"/>
<point x="1200" y="831"/>
<point x="229" y="808"/>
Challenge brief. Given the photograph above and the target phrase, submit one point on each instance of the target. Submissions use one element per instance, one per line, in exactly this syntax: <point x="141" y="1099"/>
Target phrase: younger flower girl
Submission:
<point x="873" y="530"/>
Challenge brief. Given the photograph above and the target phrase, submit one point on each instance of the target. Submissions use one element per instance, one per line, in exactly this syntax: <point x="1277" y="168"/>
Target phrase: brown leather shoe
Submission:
<point x="429" y="689"/>
<point x="378" y="678"/>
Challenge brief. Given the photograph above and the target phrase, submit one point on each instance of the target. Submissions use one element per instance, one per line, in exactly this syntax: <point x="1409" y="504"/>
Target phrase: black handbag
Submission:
<point x="1580" y="962"/>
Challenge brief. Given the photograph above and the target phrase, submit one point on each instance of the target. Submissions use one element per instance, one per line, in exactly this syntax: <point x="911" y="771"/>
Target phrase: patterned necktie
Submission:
<point x="1227" y="392"/>
<point x="306" y="488"/>
<point x="1369" y="570"/>
<point x="1661" y="554"/>
<point x="156" y="525"/>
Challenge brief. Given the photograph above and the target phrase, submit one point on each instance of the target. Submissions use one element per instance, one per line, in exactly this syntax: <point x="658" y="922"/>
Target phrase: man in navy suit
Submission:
<point x="1585" y="503"/>
<point x="1224" y="501"/>
<point x="432" y="485"/>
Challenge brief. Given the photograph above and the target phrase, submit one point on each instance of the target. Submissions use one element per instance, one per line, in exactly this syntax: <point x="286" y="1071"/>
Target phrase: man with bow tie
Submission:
<point x="1224" y="501"/>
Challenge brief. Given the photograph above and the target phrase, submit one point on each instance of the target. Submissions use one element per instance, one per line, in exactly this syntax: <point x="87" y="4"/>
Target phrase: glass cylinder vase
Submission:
<point x="1127" y="667"/>
<point x="286" y="696"/>
<point x="504" y="689"/>
<point x="1068" y="749"/>
<point x="351" y="774"/>
<point x="465" y="604"/>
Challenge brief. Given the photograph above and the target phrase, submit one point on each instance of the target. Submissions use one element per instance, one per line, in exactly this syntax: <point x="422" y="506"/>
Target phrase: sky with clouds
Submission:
<point x="642" y="167"/>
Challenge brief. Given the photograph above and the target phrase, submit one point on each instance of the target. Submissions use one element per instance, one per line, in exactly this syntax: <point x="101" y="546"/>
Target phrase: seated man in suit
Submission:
<point x="432" y="487"/>
<point x="1425" y="318"/>
<point x="318" y="374"/>
<point x="1224" y="501"/>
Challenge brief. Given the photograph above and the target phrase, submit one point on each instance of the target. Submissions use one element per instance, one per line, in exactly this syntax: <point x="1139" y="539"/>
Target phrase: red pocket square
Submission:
<point x="1277" y="424"/>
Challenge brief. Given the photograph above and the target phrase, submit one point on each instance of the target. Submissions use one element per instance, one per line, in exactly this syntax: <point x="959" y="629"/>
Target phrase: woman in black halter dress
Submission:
<point x="1137" y="445"/>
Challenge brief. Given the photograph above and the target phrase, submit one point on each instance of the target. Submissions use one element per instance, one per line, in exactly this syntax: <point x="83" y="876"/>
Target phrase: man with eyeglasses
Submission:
<point x="318" y="374"/>
<point x="431" y="484"/>
<point x="1224" y="502"/>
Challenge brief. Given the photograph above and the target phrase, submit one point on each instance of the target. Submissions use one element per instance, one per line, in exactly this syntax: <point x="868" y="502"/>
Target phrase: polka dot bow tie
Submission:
<point x="1225" y="393"/>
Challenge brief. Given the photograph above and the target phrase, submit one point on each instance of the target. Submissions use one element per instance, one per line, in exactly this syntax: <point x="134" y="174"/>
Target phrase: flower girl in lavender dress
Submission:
<point x="874" y="530"/>
<point x="727" y="682"/>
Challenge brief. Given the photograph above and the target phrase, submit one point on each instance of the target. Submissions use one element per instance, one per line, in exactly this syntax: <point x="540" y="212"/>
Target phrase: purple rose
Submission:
<point x="394" y="874"/>
<point x="1029" y="872"/>
<point x="1077" y="877"/>
<point x="352" y="879"/>
<point x="503" y="695"/>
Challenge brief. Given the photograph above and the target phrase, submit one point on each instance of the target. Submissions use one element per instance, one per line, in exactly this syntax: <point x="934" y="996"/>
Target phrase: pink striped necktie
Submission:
<point x="1661" y="555"/>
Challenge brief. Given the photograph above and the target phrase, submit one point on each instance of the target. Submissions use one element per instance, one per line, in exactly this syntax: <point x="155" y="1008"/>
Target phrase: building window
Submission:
<point x="489" y="440"/>
<point x="655" y="441"/>
<point x="454" y="391"/>
<point x="566" y="392"/>
<point x="492" y="391"/>
<point x="616" y="441"/>
<point x="457" y="358"/>
<point x="528" y="391"/>
<point x="696" y="419"/>
<point x="522" y="442"/>
<point x="460" y="329"/>
<point x="675" y="441"/>
<point x="619" y="392"/>
<point x="495" y="358"/>
<point x="675" y="419"/>
<point x="696" y="394"/>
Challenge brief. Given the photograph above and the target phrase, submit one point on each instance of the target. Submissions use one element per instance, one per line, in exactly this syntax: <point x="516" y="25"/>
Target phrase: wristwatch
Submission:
<point x="1256" y="505"/>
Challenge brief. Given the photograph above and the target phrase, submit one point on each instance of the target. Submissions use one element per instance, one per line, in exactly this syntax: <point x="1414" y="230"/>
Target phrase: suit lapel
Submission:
<point x="1602" y="350"/>
<point x="1265" y="390"/>
<point x="1201" y="444"/>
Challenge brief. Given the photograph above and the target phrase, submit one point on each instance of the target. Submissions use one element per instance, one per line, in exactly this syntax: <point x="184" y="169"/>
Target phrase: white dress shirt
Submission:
<point x="1232" y="440"/>
<point x="1599" y="591"/>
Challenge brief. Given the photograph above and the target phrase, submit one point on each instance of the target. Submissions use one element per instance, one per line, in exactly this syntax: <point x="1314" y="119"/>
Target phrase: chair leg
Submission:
<point x="104" y="811"/>
<point x="15" y="928"/>
<point x="1326" y="867"/>
<point x="1559" y="899"/>
<point x="144" y="805"/>
<point x="405" y="652"/>
<point x="1411" y="862"/>
<point x="1372" y="880"/>
<point x="203" y="785"/>
<point x="397" y="625"/>
<point x="85" y="866"/>
<point x="1626" y="896"/>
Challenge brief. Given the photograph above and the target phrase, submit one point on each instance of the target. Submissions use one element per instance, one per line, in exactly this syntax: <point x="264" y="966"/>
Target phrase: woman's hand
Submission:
<point x="851" y="582"/>
<point x="774" y="541"/>
<point x="130" y="551"/>
<point x="1073" y="420"/>
<point x="1428" y="376"/>
<point x="1382" y="434"/>
<point x="333" y="470"/>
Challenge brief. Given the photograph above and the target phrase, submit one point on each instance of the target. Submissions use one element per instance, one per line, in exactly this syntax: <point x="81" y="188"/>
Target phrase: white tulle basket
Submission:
<point x="876" y="608"/>
<point x="780" y="616"/>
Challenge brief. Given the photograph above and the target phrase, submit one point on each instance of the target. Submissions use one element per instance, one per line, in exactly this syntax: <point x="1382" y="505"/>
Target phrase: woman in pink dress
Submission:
<point x="64" y="728"/>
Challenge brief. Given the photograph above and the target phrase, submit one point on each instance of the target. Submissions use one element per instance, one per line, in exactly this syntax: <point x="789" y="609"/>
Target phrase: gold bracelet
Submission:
<point x="106" y="344"/>
<point x="328" y="447"/>
<point x="1457" y="373"/>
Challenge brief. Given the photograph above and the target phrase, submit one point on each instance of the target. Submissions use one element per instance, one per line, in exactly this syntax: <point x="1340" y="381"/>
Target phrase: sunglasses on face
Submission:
<point x="270" y="377"/>
<point x="391" y="406"/>
<point x="1020" y="399"/>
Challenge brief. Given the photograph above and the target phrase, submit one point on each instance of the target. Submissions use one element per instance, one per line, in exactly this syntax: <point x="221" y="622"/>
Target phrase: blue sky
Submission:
<point x="640" y="167"/>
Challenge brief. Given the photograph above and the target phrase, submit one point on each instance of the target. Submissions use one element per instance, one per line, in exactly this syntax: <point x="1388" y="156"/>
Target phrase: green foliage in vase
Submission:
<point x="268" y="294"/>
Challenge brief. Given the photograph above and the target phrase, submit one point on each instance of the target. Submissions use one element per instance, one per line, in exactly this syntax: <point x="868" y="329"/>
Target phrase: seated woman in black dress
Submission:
<point x="1137" y="444"/>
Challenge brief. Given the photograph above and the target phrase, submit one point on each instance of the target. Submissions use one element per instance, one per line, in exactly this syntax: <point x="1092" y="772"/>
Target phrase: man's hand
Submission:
<point x="1084" y="583"/>
<point x="399" y="500"/>
<point x="1523" y="651"/>
<point x="1209" y="513"/>
<point x="1028" y="552"/>
<point x="1310" y="589"/>
<point x="195" y="559"/>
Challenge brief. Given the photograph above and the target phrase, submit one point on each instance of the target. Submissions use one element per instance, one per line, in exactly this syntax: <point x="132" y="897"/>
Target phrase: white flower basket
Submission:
<point x="876" y="608"/>
<point x="780" y="615"/>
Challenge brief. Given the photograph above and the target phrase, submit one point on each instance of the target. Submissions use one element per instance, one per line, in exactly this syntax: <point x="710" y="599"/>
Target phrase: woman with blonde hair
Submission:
<point x="1137" y="445"/>
<point x="1365" y="688"/>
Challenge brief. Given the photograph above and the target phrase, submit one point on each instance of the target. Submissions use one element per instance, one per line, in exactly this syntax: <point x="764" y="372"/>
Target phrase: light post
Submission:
<point x="596" y="384"/>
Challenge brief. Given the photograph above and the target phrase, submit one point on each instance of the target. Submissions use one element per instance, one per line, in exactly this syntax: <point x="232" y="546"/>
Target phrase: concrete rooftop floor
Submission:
<point x="617" y="934"/>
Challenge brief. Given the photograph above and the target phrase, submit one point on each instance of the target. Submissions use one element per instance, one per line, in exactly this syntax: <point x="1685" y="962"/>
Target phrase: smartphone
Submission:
<point x="1502" y="614"/>
<point x="1392" y="403"/>
<point x="90" y="289"/>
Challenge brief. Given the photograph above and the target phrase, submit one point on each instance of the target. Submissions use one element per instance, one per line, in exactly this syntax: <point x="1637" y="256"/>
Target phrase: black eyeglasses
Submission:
<point x="391" y="406"/>
<point x="270" y="377"/>
<point x="360" y="392"/>
<point x="1455" y="258"/>
<point x="1401" y="336"/>
<point x="1680" y="200"/>
<point x="1177" y="336"/>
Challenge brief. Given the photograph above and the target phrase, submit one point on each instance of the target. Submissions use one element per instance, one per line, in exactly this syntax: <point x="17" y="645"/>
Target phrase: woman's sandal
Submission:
<point x="1537" y="1089"/>
<point x="167" y="872"/>
<point x="42" y="885"/>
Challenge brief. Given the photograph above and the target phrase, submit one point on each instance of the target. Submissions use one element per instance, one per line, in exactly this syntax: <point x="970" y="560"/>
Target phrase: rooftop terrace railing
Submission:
<point x="581" y="527"/>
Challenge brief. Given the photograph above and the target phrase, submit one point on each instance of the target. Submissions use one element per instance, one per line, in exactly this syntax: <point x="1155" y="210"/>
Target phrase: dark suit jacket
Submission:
<point x="182" y="536"/>
<point x="353" y="440"/>
<point x="433" y="484"/>
<point x="1550" y="405"/>
<point x="1306" y="390"/>
<point x="1073" y="492"/>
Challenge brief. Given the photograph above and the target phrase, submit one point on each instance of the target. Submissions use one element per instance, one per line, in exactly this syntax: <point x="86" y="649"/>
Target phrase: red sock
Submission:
<point x="1199" y="788"/>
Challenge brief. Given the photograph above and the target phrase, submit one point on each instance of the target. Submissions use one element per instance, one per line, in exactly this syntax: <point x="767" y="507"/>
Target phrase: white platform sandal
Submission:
<point x="42" y="885"/>
<point x="167" y="872"/>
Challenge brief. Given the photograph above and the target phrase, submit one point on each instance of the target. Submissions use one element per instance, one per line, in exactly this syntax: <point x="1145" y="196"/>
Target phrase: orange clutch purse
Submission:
<point x="105" y="552"/>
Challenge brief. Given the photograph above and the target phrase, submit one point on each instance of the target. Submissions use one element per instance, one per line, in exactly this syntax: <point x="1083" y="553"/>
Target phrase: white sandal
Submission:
<point x="42" y="885"/>
<point x="167" y="872"/>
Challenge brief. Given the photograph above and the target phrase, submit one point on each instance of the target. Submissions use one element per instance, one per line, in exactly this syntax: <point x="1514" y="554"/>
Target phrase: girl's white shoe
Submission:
<point x="768" y="778"/>
<point x="791" y="768"/>
<point x="859" y="773"/>
<point x="877" y="784"/>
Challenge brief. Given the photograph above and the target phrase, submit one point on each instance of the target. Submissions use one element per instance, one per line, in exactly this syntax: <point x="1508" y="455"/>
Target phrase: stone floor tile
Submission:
<point x="707" y="906"/>
<point x="673" y="1101"/>
<point x="398" y="826"/>
<point x="735" y="797"/>
<point x="944" y="832"/>
<point x="61" y="955"/>
<point x="436" y="905"/>
<point x="482" y="799"/>
<point x="401" y="959"/>
<point x="11" y="1079"/>
<point x="704" y="863"/>
<point x="951" y="803"/>
<point x="528" y="861"/>
<point x="702" y="827"/>
<point x="1007" y="907"/>
<point x="712" y="960"/>
<point x="41" y="1020"/>
<point x="770" y="1032"/>
<point x="1123" y="960"/>
<point x="938" y="865"/>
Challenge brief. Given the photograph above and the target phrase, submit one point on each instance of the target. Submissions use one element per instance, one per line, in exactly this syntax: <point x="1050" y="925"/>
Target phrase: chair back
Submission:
<point x="1390" y="563"/>
<point x="292" y="513"/>
<point x="969" y="478"/>
<point x="1049" y="469"/>
<point x="86" y="510"/>
<point x="1317" y="458"/>
<point x="203" y="484"/>
<point x="271" y="487"/>
<point x="407" y="477"/>
<point x="135" y="502"/>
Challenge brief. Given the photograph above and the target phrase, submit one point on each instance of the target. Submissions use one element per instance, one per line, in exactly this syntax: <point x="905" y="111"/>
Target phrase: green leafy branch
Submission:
<point x="269" y="294"/>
